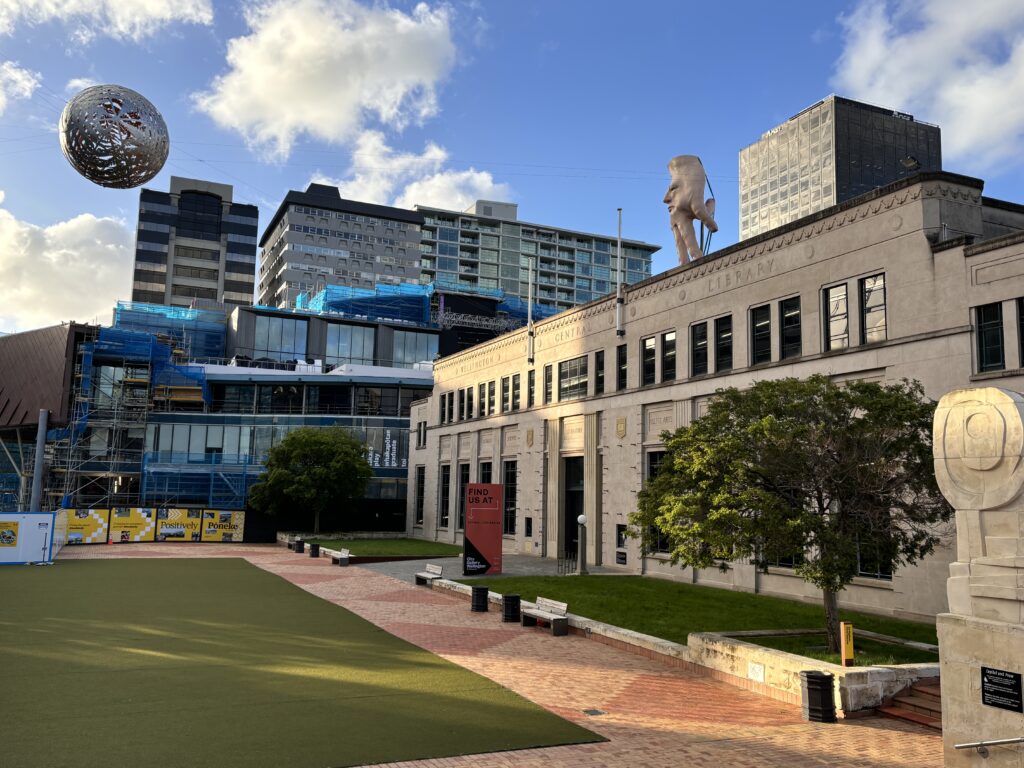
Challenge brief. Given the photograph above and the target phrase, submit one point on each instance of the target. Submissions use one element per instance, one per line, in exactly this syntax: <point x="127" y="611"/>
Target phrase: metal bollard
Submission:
<point x="300" y="546"/>
<point x="314" y="549"/>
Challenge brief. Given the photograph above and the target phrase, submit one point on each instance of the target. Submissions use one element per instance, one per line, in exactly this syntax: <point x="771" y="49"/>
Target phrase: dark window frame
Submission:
<point x="760" y="334"/>
<point x="648" y="361"/>
<point x="989" y="332"/>
<point x="723" y="344"/>
<point x="863" y="296"/>
<point x="669" y="356"/>
<point x="699" y="349"/>
<point x="621" y="367"/>
<point x="790" y="333"/>
<point x="599" y="372"/>
<point x="829" y="316"/>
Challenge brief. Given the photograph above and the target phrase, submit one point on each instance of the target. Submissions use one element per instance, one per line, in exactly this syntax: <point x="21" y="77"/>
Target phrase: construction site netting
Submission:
<point x="196" y="333"/>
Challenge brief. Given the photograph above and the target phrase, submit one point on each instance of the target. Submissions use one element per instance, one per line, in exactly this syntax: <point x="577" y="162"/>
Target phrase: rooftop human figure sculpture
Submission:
<point x="685" y="200"/>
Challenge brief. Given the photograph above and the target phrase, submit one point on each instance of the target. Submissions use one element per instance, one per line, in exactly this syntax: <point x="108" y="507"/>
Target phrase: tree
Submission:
<point x="313" y="469"/>
<point x="809" y="468"/>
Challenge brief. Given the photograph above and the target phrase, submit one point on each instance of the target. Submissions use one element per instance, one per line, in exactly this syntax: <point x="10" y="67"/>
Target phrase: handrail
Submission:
<point x="982" y="746"/>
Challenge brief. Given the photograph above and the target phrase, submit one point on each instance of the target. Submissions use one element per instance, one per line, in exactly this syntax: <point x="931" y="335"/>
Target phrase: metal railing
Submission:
<point x="567" y="565"/>
<point x="982" y="746"/>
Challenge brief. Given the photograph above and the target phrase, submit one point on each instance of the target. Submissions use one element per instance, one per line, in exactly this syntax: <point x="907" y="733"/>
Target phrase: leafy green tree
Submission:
<point x="311" y="469"/>
<point x="808" y="468"/>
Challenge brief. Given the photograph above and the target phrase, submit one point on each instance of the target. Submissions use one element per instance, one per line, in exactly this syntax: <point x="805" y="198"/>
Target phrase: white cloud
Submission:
<point x="957" y="64"/>
<point x="72" y="270"/>
<point x="16" y="83"/>
<point x="324" y="68"/>
<point x="76" y="84"/>
<point x="379" y="174"/>
<point x="112" y="18"/>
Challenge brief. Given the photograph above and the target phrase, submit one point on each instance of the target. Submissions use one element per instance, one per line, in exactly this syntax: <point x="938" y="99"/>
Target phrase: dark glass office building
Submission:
<point x="831" y="152"/>
<point x="194" y="242"/>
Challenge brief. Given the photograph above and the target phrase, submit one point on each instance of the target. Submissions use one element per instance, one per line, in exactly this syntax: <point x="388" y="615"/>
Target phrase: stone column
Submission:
<point x="979" y="465"/>
<point x="553" y="511"/>
<point x="592" y="488"/>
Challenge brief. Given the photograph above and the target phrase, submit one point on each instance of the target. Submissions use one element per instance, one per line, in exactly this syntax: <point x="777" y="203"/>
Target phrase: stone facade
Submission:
<point x="571" y="439"/>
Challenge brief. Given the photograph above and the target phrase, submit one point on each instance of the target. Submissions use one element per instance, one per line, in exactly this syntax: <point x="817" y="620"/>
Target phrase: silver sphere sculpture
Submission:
<point x="114" y="136"/>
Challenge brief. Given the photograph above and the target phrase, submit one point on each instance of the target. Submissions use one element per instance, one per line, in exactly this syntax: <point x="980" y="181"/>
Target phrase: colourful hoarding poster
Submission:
<point x="131" y="524"/>
<point x="223" y="525"/>
<point x="88" y="526"/>
<point x="178" y="524"/>
<point x="482" y="537"/>
<point x="8" y="533"/>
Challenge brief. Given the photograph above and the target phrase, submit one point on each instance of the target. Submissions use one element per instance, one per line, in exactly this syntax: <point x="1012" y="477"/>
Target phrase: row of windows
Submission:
<point x="352" y="217"/>
<point x="354" y="236"/>
<point x="509" y="485"/>
<point x="296" y="398"/>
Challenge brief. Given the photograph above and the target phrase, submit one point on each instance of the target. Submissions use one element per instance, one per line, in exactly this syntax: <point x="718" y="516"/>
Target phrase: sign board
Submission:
<point x="130" y="524"/>
<point x="1001" y="689"/>
<point x="482" y="537"/>
<point x="223" y="525"/>
<point x="88" y="526"/>
<point x="178" y="524"/>
<point x="846" y="634"/>
<point x="26" y="537"/>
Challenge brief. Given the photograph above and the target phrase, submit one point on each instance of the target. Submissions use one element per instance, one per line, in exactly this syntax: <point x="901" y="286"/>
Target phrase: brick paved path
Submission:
<point x="654" y="715"/>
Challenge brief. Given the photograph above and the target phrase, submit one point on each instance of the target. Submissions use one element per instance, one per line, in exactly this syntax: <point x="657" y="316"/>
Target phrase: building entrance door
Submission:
<point x="573" y="479"/>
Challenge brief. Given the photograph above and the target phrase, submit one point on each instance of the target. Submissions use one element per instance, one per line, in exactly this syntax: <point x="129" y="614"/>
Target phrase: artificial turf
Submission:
<point x="214" y="662"/>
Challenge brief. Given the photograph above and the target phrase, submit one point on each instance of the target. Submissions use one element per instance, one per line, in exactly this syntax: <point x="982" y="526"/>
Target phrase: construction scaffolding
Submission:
<point x="212" y="480"/>
<point x="195" y="334"/>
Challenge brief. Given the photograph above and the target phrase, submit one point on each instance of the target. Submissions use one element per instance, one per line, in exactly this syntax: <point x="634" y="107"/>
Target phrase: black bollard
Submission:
<point x="819" y="705"/>
<point x="314" y="549"/>
<point x="510" y="608"/>
<point x="300" y="546"/>
<point x="479" y="604"/>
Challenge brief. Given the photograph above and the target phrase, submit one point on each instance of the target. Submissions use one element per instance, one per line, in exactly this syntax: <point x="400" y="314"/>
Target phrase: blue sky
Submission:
<point x="570" y="108"/>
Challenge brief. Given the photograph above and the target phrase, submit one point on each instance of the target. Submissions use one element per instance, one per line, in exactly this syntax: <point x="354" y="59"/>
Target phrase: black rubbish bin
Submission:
<point x="479" y="604"/>
<point x="816" y="694"/>
<point x="314" y="550"/>
<point x="300" y="546"/>
<point x="510" y="608"/>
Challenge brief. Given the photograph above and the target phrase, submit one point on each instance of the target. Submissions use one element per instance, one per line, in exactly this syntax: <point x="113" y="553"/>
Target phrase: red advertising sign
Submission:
<point x="482" y="537"/>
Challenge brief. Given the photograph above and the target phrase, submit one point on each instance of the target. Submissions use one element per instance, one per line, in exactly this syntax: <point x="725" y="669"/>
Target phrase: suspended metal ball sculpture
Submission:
<point x="114" y="136"/>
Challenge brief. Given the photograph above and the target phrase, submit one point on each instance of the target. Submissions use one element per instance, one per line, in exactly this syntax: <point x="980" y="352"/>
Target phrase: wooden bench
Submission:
<point x="427" y="576"/>
<point x="550" y="612"/>
<point x="340" y="557"/>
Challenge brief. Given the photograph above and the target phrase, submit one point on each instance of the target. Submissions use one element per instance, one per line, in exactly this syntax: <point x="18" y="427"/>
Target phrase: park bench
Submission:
<point x="551" y="612"/>
<point x="427" y="576"/>
<point x="340" y="557"/>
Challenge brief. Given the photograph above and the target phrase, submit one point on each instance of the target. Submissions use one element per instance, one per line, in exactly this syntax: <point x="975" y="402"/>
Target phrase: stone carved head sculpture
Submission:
<point x="979" y="447"/>
<point x="685" y="200"/>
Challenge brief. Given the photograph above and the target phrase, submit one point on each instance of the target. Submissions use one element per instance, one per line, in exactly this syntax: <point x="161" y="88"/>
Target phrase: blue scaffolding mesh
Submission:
<point x="198" y="333"/>
<point x="405" y="303"/>
<point x="214" y="480"/>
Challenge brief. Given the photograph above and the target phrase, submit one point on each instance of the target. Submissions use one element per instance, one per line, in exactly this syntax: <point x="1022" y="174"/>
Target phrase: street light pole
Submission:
<point x="581" y="555"/>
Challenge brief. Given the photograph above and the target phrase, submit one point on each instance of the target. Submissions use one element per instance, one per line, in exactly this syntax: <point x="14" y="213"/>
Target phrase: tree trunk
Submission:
<point x="316" y="522"/>
<point x="831" y="600"/>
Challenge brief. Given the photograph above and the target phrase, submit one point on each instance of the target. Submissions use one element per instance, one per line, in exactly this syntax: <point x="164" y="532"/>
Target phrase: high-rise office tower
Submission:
<point x="194" y="242"/>
<point x="317" y="238"/>
<point x="831" y="152"/>
<point x="487" y="247"/>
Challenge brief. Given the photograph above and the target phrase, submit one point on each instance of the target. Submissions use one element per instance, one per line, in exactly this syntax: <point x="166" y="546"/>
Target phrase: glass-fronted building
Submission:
<point x="830" y="152"/>
<point x="194" y="242"/>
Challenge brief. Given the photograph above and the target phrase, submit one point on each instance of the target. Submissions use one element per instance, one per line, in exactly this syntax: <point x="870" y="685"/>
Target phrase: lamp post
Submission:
<point x="581" y="555"/>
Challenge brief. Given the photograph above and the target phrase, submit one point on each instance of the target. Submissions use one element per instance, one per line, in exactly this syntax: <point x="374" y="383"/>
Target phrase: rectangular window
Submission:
<point x="874" y="560"/>
<point x="462" y="405"/>
<point x="463" y="483"/>
<point x="443" y="410"/>
<point x="547" y="384"/>
<point x="657" y="541"/>
<point x="599" y="372"/>
<point x="506" y="400"/>
<point x="668" y="356"/>
<point x="515" y="391"/>
<point x="723" y="344"/>
<point x="451" y="406"/>
<point x="648" y="361"/>
<point x="572" y="379"/>
<point x="789" y="314"/>
<point x="490" y="398"/>
<point x="531" y="388"/>
<point x="482" y="400"/>
<point x="837" y="324"/>
<point x="350" y="344"/>
<point x="760" y="335"/>
<point x="411" y="348"/>
<point x="989" y="319"/>
<point x="446" y="487"/>
<point x="872" y="309"/>
<point x="698" y="349"/>
<point x="621" y="368"/>
<point x="509" y="482"/>
<point x="485" y="472"/>
<point x="469" y="402"/>
<point x="421" y="484"/>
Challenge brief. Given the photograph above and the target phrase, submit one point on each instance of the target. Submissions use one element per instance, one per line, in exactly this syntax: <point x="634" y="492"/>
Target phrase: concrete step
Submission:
<point x="929" y="690"/>
<point x="924" y="705"/>
<point x="899" y="713"/>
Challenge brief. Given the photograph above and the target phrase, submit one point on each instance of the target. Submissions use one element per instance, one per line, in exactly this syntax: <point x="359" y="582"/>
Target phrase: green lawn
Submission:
<point x="672" y="611"/>
<point x="866" y="652"/>
<point x="164" y="662"/>
<point x="391" y="547"/>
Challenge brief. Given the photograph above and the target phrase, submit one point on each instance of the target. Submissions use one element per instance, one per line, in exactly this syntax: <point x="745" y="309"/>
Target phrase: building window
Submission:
<point x="421" y="434"/>
<point x="837" y="327"/>
<point x="547" y="384"/>
<point x="668" y="356"/>
<point x="509" y="482"/>
<point x="515" y="391"/>
<point x="648" y="361"/>
<point x="490" y="398"/>
<point x="469" y="402"/>
<point x="451" y="406"/>
<point x="463" y="482"/>
<point x="572" y="379"/>
<point x="599" y="372"/>
<point x="506" y="400"/>
<point x="784" y="559"/>
<point x="279" y="338"/>
<point x="443" y="415"/>
<point x="621" y="368"/>
<point x="657" y="540"/>
<point x="760" y="335"/>
<point x="421" y="484"/>
<point x="531" y="388"/>
<point x="485" y="471"/>
<point x="699" y="349"/>
<point x="723" y="344"/>
<point x="462" y="405"/>
<point x="348" y="344"/>
<point x="446" y="483"/>
<point x="411" y="348"/>
<point x="481" y="400"/>
<point x="873" y="560"/>
<point x="789" y="312"/>
<point x="872" y="309"/>
<point x="990" y="337"/>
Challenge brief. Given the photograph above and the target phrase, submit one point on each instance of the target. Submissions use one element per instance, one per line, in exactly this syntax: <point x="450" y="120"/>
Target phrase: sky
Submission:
<point x="570" y="108"/>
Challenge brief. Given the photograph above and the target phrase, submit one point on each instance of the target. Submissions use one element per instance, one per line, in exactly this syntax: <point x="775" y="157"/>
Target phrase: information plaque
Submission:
<point x="1001" y="689"/>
